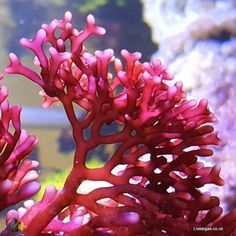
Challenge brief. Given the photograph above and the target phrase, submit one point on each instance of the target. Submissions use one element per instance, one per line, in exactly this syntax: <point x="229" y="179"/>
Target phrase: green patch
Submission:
<point x="57" y="178"/>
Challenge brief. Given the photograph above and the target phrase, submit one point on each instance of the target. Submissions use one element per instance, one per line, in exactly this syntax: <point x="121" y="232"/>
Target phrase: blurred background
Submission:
<point x="195" y="39"/>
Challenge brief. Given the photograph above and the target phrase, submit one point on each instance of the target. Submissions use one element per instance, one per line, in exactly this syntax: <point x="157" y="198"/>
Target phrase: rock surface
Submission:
<point x="197" y="41"/>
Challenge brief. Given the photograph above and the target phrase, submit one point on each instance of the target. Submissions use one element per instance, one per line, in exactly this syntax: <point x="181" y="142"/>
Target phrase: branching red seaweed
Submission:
<point x="154" y="177"/>
<point x="17" y="172"/>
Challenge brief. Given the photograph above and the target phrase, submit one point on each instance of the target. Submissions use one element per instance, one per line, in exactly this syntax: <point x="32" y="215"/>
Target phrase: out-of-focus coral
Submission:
<point x="17" y="171"/>
<point x="197" y="40"/>
<point x="151" y="183"/>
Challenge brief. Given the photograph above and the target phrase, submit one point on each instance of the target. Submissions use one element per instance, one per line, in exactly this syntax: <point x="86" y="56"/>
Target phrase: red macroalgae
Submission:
<point x="17" y="171"/>
<point x="154" y="174"/>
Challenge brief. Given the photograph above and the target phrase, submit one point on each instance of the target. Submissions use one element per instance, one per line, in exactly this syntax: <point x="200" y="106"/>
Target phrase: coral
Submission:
<point x="151" y="184"/>
<point x="17" y="172"/>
